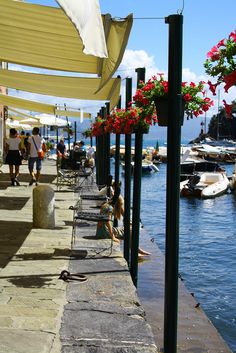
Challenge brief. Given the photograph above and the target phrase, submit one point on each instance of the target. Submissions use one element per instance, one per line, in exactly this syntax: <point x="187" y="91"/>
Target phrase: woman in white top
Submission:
<point x="13" y="157"/>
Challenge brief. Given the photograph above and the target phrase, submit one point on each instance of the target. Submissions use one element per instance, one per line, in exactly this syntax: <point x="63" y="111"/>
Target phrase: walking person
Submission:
<point x="26" y="144"/>
<point x="22" y="144"/>
<point x="35" y="145"/>
<point x="13" y="156"/>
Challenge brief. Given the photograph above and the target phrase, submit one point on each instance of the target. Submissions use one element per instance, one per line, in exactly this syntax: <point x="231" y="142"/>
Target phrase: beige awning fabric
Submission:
<point x="19" y="103"/>
<point x="25" y="104"/>
<point x="20" y="115"/>
<point x="62" y="86"/>
<point x="41" y="36"/>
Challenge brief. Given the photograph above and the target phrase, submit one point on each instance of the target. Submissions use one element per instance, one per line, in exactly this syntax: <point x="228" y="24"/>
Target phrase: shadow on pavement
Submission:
<point x="12" y="236"/>
<point x="31" y="281"/>
<point x="25" y="178"/>
<point x="12" y="203"/>
<point x="55" y="255"/>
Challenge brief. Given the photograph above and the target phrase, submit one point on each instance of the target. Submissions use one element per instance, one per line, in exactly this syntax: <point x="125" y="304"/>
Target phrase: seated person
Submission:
<point x="80" y="146"/>
<point x="61" y="149"/>
<point x="107" y="190"/>
<point x="105" y="229"/>
<point x="89" y="163"/>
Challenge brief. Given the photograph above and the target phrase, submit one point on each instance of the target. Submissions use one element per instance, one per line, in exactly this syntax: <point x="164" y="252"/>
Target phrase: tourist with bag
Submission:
<point x="36" y="155"/>
<point x="13" y="156"/>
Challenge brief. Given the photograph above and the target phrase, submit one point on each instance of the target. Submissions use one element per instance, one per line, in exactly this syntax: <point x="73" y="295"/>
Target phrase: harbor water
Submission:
<point x="207" y="261"/>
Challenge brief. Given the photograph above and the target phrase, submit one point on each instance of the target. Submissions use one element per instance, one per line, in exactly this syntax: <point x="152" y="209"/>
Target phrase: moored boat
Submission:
<point x="232" y="183"/>
<point x="147" y="166"/>
<point x="205" y="185"/>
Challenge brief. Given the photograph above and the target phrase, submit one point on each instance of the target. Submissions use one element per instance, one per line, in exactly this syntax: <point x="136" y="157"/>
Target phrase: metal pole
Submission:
<point x="117" y="161"/>
<point x="98" y="158"/>
<point x="75" y="129"/>
<point x="108" y="145"/>
<point x="102" y="153"/>
<point x="57" y="129"/>
<point x="137" y="180"/>
<point x="128" y="98"/>
<point x="68" y="126"/>
<point x="218" y="118"/>
<point x="173" y="181"/>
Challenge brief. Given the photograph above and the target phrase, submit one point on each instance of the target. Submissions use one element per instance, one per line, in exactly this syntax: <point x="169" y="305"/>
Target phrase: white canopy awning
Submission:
<point x="51" y="120"/>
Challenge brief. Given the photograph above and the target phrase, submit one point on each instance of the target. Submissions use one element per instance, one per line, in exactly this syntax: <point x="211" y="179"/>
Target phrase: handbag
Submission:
<point x="40" y="153"/>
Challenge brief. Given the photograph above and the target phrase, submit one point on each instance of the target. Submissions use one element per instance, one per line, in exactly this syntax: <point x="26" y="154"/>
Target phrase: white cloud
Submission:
<point x="139" y="58"/>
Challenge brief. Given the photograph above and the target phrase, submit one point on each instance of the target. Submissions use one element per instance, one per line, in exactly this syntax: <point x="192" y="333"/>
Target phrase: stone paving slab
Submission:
<point x="31" y="295"/>
<point x="35" y="303"/>
<point x="24" y="341"/>
<point x="108" y="297"/>
<point x="41" y="314"/>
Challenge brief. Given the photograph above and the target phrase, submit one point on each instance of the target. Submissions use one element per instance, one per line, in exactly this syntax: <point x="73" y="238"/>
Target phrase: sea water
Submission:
<point x="207" y="245"/>
<point x="207" y="248"/>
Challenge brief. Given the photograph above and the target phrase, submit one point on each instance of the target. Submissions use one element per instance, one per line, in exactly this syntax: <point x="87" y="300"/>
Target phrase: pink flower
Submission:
<point x="213" y="54"/>
<point x="221" y="43"/>
<point x="233" y="36"/>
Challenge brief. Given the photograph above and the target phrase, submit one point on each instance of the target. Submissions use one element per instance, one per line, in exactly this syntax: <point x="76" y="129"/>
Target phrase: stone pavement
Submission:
<point x="39" y="313"/>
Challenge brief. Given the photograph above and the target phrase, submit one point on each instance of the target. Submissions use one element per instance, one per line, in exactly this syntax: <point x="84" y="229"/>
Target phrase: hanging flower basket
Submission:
<point x="155" y="92"/>
<point x="162" y="110"/>
<point x="131" y="120"/>
<point x="144" y="129"/>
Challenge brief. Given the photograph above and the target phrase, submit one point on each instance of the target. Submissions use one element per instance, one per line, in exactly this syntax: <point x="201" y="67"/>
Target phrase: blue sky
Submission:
<point x="205" y="23"/>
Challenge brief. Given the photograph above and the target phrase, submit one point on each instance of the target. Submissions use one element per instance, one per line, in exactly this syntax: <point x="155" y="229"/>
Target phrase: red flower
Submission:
<point x="228" y="108"/>
<point x="221" y="43"/>
<point x="230" y="80"/>
<point x="187" y="97"/>
<point x="213" y="54"/>
<point x="212" y="87"/>
<point x="233" y="36"/>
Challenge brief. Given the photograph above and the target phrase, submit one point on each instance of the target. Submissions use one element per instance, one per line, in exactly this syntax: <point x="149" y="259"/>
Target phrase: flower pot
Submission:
<point x="142" y="129"/>
<point x="162" y="110"/>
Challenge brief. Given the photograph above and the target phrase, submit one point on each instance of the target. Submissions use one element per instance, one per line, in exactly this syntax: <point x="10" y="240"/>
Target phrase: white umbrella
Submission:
<point x="17" y="125"/>
<point x="32" y="122"/>
<point x="51" y="120"/>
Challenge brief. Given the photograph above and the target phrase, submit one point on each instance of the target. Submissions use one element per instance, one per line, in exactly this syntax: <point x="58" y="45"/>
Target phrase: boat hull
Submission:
<point x="207" y="186"/>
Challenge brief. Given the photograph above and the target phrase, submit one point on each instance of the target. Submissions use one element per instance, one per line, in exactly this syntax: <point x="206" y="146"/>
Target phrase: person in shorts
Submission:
<point x="13" y="156"/>
<point x="35" y="145"/>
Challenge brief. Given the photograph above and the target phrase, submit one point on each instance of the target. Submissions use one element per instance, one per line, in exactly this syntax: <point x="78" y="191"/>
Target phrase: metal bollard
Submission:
<point x="43" y="207"/>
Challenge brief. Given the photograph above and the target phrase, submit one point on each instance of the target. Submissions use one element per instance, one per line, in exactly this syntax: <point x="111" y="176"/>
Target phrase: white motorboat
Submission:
<point x="147" y="166"/>
<point x="232" y="183"/>
<point x="205" y="185"/>
<point x="192" y="164"/>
